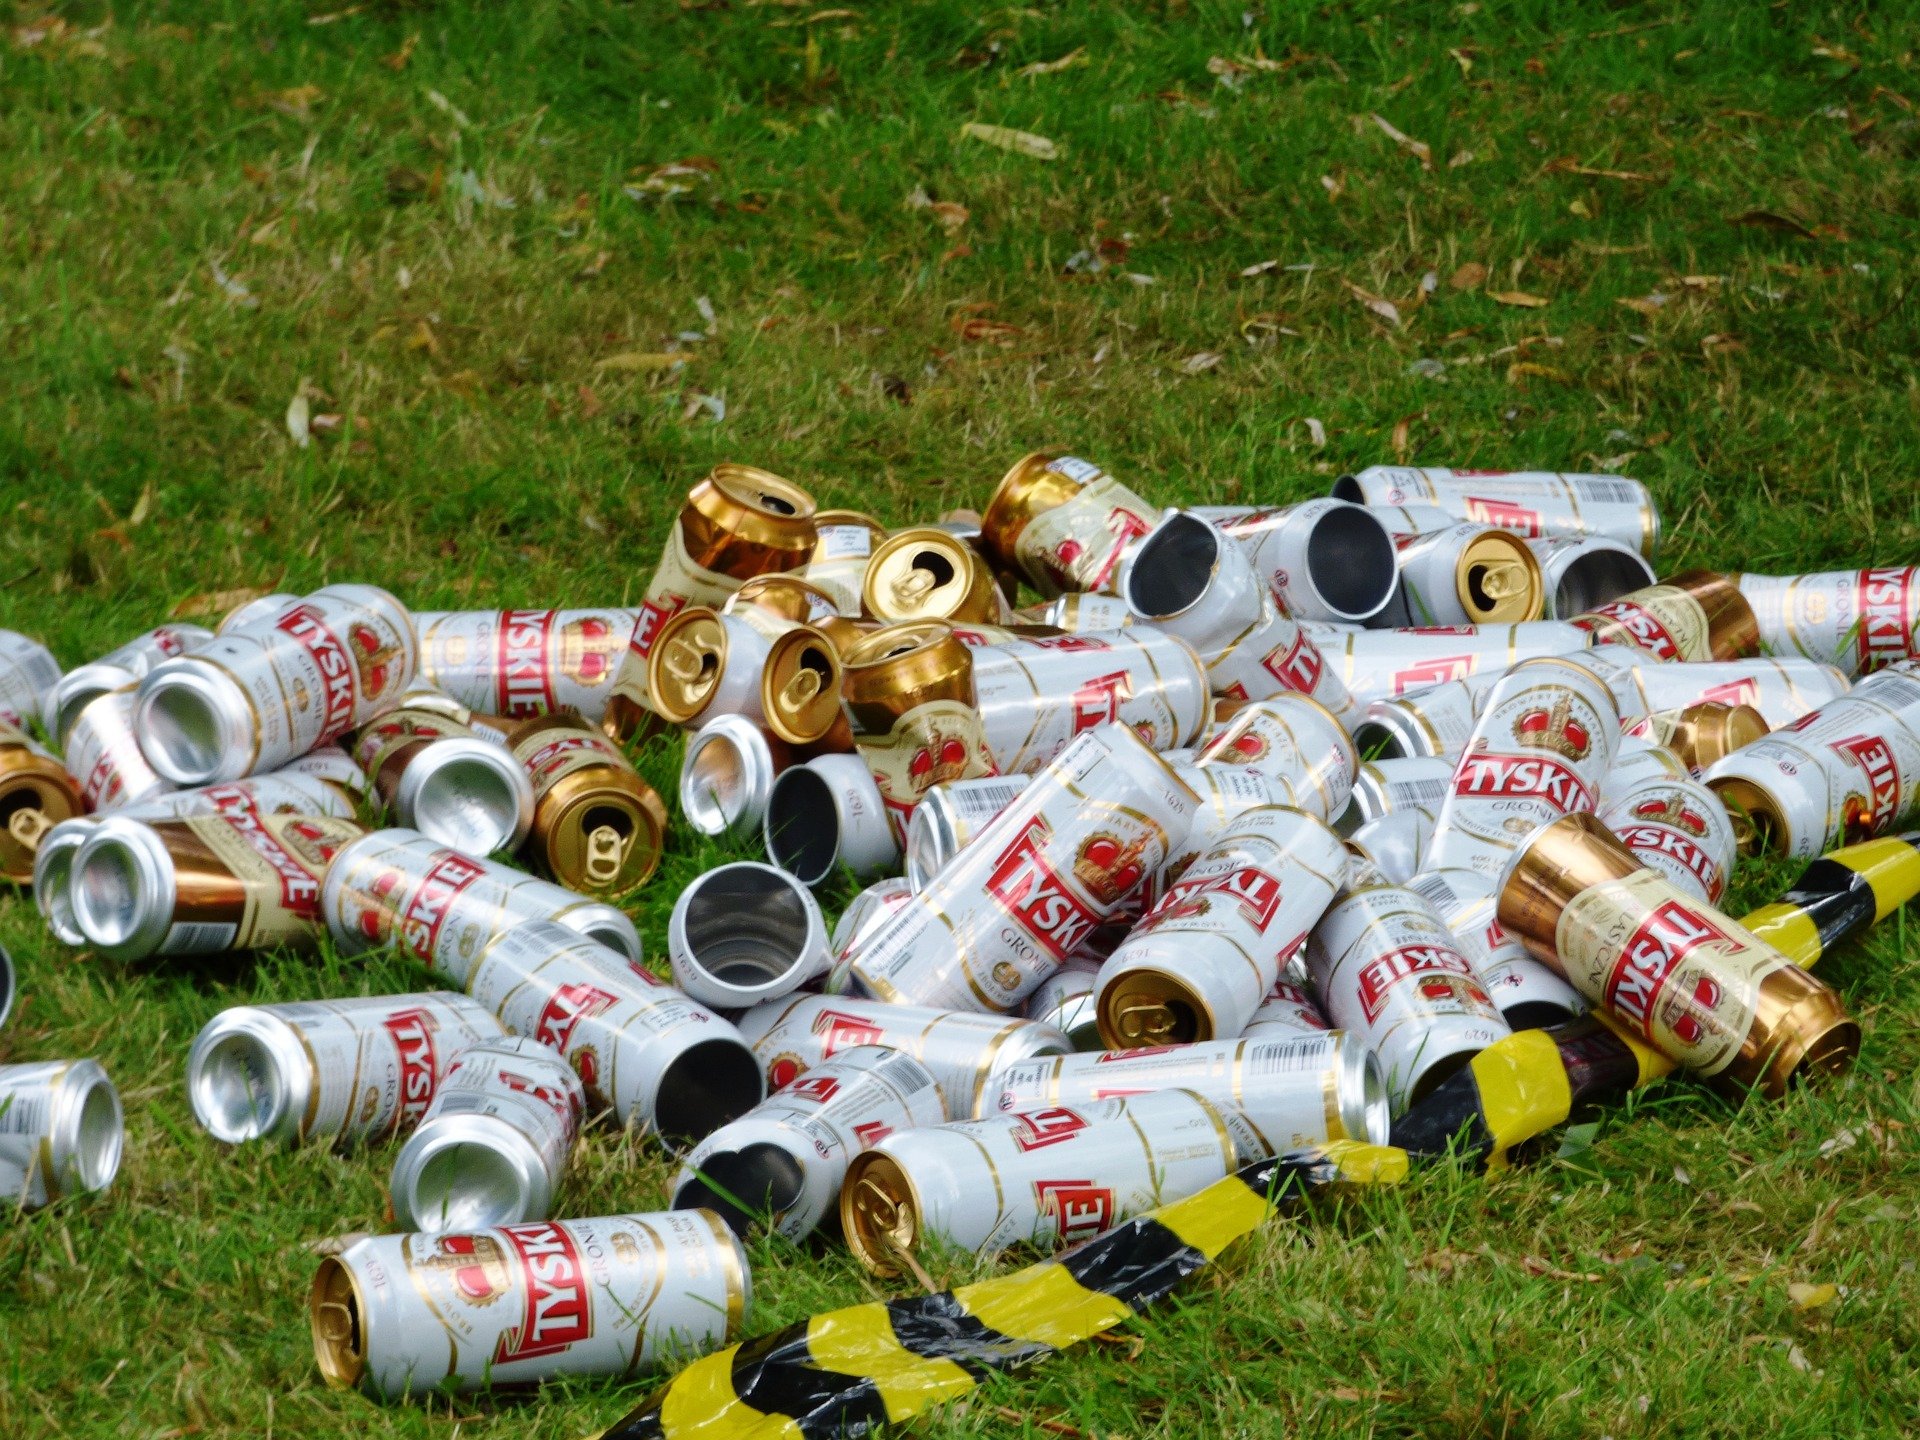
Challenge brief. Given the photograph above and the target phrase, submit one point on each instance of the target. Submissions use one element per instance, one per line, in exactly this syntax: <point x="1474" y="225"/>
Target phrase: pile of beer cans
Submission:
<point x="1242" y="834"/>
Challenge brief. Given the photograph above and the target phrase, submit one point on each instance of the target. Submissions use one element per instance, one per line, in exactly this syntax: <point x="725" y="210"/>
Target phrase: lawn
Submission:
<point x="528" y="270"/>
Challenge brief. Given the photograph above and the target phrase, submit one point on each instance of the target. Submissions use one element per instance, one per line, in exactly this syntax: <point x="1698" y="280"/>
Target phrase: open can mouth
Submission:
<point x="122" y="889"/>
<point x="451" y="1182"/>
<point x="745" y="933"/>
<point x="727" y="776"/>
<point x="749" y="1187"/>
<point x="90" y="1129"/>
<point x="1173" y="567"/>
<point x="1351" y="562"/>
<point x="192" y="729"/>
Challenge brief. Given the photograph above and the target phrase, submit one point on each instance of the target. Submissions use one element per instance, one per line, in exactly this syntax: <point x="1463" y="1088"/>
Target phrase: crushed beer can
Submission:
<point x="61" y="1131"/>
<point x="1396" y="844"/>
<point x="1699" y="615"/>
<point x="866" y="908"/>
<point x="1323" y="559"/>
<point x="726" y="776"/>
<point x="1467" y="574"/>
<point x="1080" y="612"/>
<point x="830" y="815"/>
<point x="780" y="673"/>
<point x="1062" y="523"/>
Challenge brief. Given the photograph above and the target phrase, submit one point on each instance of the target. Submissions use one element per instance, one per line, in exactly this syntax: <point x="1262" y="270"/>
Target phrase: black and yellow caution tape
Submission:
<point x="844" y="1372"/>
<point x="1518" y="1089"/>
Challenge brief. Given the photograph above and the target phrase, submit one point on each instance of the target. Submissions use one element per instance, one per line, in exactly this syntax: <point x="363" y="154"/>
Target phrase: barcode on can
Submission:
<point x="1610" y="492"/>
<point x="1895" y="691"/>
<point x="1286" y="1057"/>
<point x="1436" y="889"/>
<point x="197" y="937"/>
<point x="23" y="1115"/>
<point x="1416" y="792"/>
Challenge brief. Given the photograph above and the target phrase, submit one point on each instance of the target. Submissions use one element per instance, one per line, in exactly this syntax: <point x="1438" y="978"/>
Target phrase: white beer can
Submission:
<point x="1854" y="620"/>
<point x="61" y="1131"/>
<point x="1396" y="844"/>
<point x="1323" y="559"/>
<point x="1386" y="786"/>
<point x="1466" y="574"/>
<point x="28" y="675"/>
<point x="1082" y="611"/>
<point x="102" y="753"/>
<point x="116" y="670"/>
<point x="525" y="662"/>
<point x="1389" y="664"/>
<point x="1528" y="994"/>
<point x="1288" y="1010"/>
<point x="1676" y="825"/>
<point x="1533" y="503"/>
<point x="1582" y="573"/>
<point x="1292" y="738"/>
<point x="1781" y="690"/>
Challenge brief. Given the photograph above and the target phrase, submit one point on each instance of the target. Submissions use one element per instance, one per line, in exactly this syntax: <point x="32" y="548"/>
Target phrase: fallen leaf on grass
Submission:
<point x="1768" y="220"/>
<point x="1534" y="1265"/>
<point x="1470" y="276"/>
<point x="1570" y="166"/>
<point x="1018" y="142"/>
<point x="1047" y="1427"/>
<point x="1526" y="369"/>
<point x="397" y="61"/>
<point x="1648" y="305"/>
<point x="1316" y="432"/>
<point x="1419" y="149"/>
<point x="297" y="101"/>
<point x="1334" y="185"/>
<point x="1827" y="51"/>
<point x="976" y="327"/>
<point x="1204" y="360"/>
<point x="1053" y="67"/>
<point x="299" y="418"/>
<point x="1711" y="345"/>
<point x="1379" y="305"/>
<point x="673" y="179"/>
<point x="1402" y="439"/>
<point x="1803" y="1296"/>
<point x="594" y="265"/>
<point x="951" y="216"/>
<point x="643" y="362"/>
<point x="1518" y="298"/>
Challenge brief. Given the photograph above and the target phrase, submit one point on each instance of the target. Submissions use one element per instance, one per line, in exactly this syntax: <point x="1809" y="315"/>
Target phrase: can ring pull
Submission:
<point x="1504" y="580"/>
<point x="912" y="586"/>
<point x="800" y="689"/>
<point x="1151" y="1021"/>
<point x="686" y="660"/>
<point x="29" y="826"/>
<point x="606" y="853"/>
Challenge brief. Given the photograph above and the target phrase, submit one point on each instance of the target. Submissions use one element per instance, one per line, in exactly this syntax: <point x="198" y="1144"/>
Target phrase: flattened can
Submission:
<point x="1062" y="522"/>
<point x="1288" y="1010"/>
<point x="844" y="542"/>
<point x="1700" y="615"/>
<point x="118" y="668"/>
<point x="1295" y="1090"/>
<point x="525" y="662"/>
<point x="397" y="887"/>
<point x="1294" y="739"/>
<point x="1006" y="913"/>
<point x="1680" y="828"/>
<point x="440" y="777"/>
<point x="1323" y="559"/>
<point x="1202" y="960"/>
<point x="1035" y="696"/>
<point x="1854" y="620"/>
<point x="1467" y="574"/>
<point x="597" y="826"/>
<point x="103" y="754"/>
<point x="36" y="795"/>
<point x="1582" y="573"/>
<point x="401" y="1315"/>
<point x="334" y="1072"/>
<point x="1844" y="773"/>
<point x="1391" y="664"/>
<point x="1389" y="970"/>
<point x="61" y="1131"/>
<point x="259" y="696"/>
<point x="784" y="1162"/>
<point x="1546" y="734"/>
<point x="726" y="776"/>
<point x="492" y="1146"/>
<point x="232" y="880"/>
<point x="658" y="1059"/>
<point x="28" y="675"/>
<point x="962" y="1049"/>
<point x="1533" y="503"/>
<point x="1045" y="1178"/>
<point x="866" y="908"/>
<point x="737" y="523"/>
<point x="1529" y="995"/>
<point x="1679" y="975"/>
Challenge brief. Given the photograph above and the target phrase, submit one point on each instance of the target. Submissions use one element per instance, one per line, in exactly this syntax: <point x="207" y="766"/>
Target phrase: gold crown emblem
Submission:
<point x="1109" y="867"/>
<point x="1554" y="728"/>
<point x="588" y="649"/>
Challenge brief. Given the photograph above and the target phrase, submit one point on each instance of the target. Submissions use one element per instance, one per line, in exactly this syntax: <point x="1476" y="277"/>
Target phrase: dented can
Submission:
<point x="924" y="573"/>
<point x="61" y="1131"/>
<point x="402" y="1315"/>
<point x="117" y="669"/>
<point x="726" y="776"/>
<point x="1323" y="559"/>
<point x="525" y="662"/>
<point x="867" y="907"/>
<point x="397" y="887"/>
<point x="1676" y="973"/>
<point x="1678" y="827"/>
<point x="737" y="523"/>
<point x="28" y="675"/>
<point x="232" y="880"/>
<point x="1854" y="620"/>
<point x="1287" y="1010"/>
<point x="963" y="1050"/>
<point x="332" y="1072"/>
<point x="492" y="1146"/>
<point x="660" y="1060"/>
<point x="1467" y="574"/>
<point x="1533" y="503"/>
<point x="1781" y="690"/>
<point x="1204" y="957"/>
<point x="1391" y="786"/>
<point x="782" y="1164"/>
<point x="777" y="672"/>
<point x="1699" y="615"/>
<point x="1044" y="1177"/>
<point x="1582" y="573"/>
<point x="1295" y="1090"/>
<point x="1396" y="844"/>
<point x="438" y="776"/>
<point x="597" y="826"/>
<point x="1392" y="664"/>
<point x="1062" y="523"/>
<point x="36" y="795"/>
<point x="1065" y="1001"/>
<point x="263" y="694"/>
<point x="1050" y="869"/>
<point x="1035" y="696"/>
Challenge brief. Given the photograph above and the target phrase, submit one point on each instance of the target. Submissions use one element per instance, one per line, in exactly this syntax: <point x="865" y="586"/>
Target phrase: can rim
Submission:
<point x="79" y="688"/>
<point x="491" y="1153"/>
<point x="194" y="724"/>
<point x="734" y="800"/>
<point x="142" y="890"/>
<point x="467" y="794"/>
<point x="722" y="905"/>
<point x="342" y="1358"/>
<point x="251" y="1044"/>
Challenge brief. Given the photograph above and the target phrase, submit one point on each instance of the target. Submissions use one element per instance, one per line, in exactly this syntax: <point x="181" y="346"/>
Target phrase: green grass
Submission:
<point x="488" y="454"/>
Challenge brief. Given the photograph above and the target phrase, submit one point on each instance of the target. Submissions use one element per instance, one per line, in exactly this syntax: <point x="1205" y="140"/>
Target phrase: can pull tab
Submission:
<point x="606" y="853"/>
<point x="912" y="585"/>
<point x="29" y="827"/>
<point x="1150" y="1021"/>
<point x="687" y="660"/>
<point x="800" y="689"/>
<point x="1504" y="580"/>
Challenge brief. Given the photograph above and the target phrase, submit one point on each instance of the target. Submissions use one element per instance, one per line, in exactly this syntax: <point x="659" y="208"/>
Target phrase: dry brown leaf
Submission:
<point x="952" y="217"/>
<point x="1518" y="298"/>
<point x="297" y="101"/>
<point x="1648" y="305"/>
<point x="1053" y="67"/>
<point x="1402" y="439"/>
<point x="214" y="602"/>
<point x="1768" y="220"/>
<point x="1378" y="304"/>
<point x="397" y="61"/>
<point x="1573" y="167"/>
<point x="1524" y="369"/>
<point x="1534" y="1265"/>
<point x="977" y="327"/>
<point x="642" y="361"/>
<point x="1711" y="345"/>
<point x="1419" y="149"/>
<point x="1018" y="142"/>
<point x="1204" y="360"/>
<point x="1470" y="276"/>
<point x="594" y="265"/>
<point x="1827" y="51"/>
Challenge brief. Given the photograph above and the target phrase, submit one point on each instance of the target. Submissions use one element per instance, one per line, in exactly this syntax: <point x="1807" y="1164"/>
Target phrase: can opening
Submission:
<point x="8" y="984"/>
<point x="467" y="1186"/>
<point x="775" y="504"/>
<point x="929" y="571"/>
<point x="1173" y="566"/>
<point x="1598" y="578"/>
<point x="53" y="888"/>
<point x="878" y="1212"/>
<point x="711" y="1083"/>
<point x="23" y="816"/>
<point x="1347" y="487"/>
<point x="238" y="1092"/>
<point x="747" y="924"/>
<point x="106" y="893"/>
<point x="1374" y="741"/>
<point x="1443" y="1068"/>
<point x="608" y="830"/>
<point x="339" y="1339"/>
<point x="748" y="1188"/>
<point x="181" y="726"/>
<point x="1351" y="562"/>
<point x="1535" y="1015"/>
<point x="101" y="1134"/>
<point x="1366" y="1111"/>
<point x="803" y="825"/>
<point x="713" y="794"/>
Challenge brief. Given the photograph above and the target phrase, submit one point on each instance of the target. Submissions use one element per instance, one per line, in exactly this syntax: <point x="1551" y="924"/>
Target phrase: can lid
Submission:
<point x="338" y="1318"/>
<point x="1144" y="1007"/>
<point x="764" y="494"/>
<point x="1760" y="824"/>
<point x="800" y="686"/>
<point x="745" y="933"/>
<point x="79" y="688"/>
<point x="1711" y="731"/>
<point x="466" y="793"/>
<point x="606" y="838"/>
<point x="688" y="661"/>
<point x="1027" y="489"/>
<point x="469" y="1175"/>
<point x="926" y="573"/>
<point x="880" y="1212"/>
<point x="1498" y="580"/>
<point x="53" y="874"/>
<point x="36" y="795"/>
<point x="195" y="723"/>
<point x="89" y="1130"/>
<point x="123" y="889"/>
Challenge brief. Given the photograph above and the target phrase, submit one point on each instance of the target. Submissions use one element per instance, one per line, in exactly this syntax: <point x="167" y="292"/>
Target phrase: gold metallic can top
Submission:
<point x="788" y="597"/>
<point x="1711" y="731"/>
<point x="36" y="794"/>
<point x="1023" y="492"/>
<point x="741" y="521"/>
<point x="843" y="632"/>
<point x="1498" y="580"/>
<point x="879" y="1212"/>
<point x="901" y="666"/>
<point x="598" y="827"/>
<point x="1571" y="855"/>
<point x="1145" y="1007"/>
<point x="688" y="662"/>
<point x="800" y="687"/>
<point x="337" y="1314"/>
<point x="927" y="574"/>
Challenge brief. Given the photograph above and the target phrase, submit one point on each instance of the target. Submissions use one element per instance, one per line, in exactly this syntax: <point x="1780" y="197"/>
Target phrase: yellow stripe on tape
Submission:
<point x="1891" y="866"/>
<point x="1523" y="1088"/>
<point x="1215" y="1217"/>
<point x="701" y="1404"/>
<point x="1043" y="1304"/>
<point x="1788" y="929"/>
<point x="1362" y="1164"/>
<point x="860" y="1341"/>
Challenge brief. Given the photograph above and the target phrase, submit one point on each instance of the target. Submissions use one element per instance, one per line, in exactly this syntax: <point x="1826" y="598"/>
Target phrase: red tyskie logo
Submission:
<point x="556" y="1312"/>
<point x="1652" y="839"/>
<point x="1255" y="891"/>
<point x="1505" y="514"/>
<point x="1646" y="964"/>
<point x="1099" y="700"/>
<point x="564" y="1103"/>
<point x="1522" y="776"/>
<point x="1037" y="1129"/>
<point x="432" y="901"/>
<point x="523" y="684"/>
<point x="1036" y="897"/>
<point x="1744" y="691"/>
<point x="299" y="886"/>
<point x="339" y="692"/>
<point x="654" y="614"/>
<point x="1079" y="1207"/>
<point x="840" y="1031"/>
<point x="1380" y="974"/>
<point x="1641" y="624"/>
<point x="1886" y="631"/>
<point x="1437" y="671"/>
<point x="1873" y="815"/>
<point x="411" y="1031"/>
<point x="817" y="1088"/>
<point x="565" y="1009"/>
<point x="1298" y="665"/>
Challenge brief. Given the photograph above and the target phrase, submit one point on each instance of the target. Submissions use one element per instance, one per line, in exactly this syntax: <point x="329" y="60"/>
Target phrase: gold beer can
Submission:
<point x="35" y="795"/>
<point x="1697" y="615"/>
<point x="925" y="573"/>
<point x="597" y="826"/>
<point x="1062" y="522"/>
